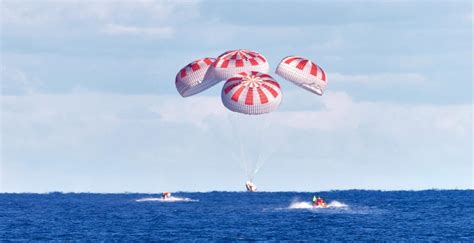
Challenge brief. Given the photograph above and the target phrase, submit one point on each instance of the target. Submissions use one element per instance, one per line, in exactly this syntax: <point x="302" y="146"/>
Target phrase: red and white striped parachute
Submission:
<point x="303" y="73"/>
<point x="191" y="79"/>
<point x="251" y="93"/>
<point x="231" y="62"/>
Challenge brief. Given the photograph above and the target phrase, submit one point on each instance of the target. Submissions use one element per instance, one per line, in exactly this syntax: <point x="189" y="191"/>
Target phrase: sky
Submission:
<point x="88" y="101"/>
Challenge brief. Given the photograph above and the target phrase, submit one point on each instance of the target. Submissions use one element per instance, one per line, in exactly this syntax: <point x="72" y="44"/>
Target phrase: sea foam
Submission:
<point x="307" y="205"/>
<point x="169" y="199"/>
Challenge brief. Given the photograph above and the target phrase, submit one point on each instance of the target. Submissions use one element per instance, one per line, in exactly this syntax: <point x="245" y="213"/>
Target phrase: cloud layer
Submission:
<point x="103" y="142"/>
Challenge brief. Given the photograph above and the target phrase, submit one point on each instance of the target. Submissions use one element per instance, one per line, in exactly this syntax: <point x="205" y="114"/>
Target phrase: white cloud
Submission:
<point x="167" y="142"/>
<point x="216" y="32"/>
<point x="337" y="111"/>
<point x="14" y="12"/>
<point x="470" y="18"/>
<point x="382" y="79"/>
<point x="155" y="32"/>
<point x="192" y="111"/>
<point x="16" y="81"/>
<point x="151" y="18"/>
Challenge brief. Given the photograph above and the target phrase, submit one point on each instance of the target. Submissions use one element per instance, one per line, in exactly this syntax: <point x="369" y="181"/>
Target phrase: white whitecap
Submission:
<point x="336" y="204"/>
<point x="300" y="205"/>
<point x="169" y="199"/>
<point x="307" y="205"/>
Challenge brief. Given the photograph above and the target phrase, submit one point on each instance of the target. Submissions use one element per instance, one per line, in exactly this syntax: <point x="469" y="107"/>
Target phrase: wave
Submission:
<point x="307" y="205"/>
<point x="334" y="207"/>
<point x="170" y="199"/>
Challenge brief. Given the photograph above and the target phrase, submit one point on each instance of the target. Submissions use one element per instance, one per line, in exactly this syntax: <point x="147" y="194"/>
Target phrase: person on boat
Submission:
<point x="318" y="202"/>
<point x="165" y="195"/>
<point x="321" y="202"/>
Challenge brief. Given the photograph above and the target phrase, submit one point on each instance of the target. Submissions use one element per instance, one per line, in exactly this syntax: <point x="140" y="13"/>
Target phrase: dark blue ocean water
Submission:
<point x="353" y="215"/>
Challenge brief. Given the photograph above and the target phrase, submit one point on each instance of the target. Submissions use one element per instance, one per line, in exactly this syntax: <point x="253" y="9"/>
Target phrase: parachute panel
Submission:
<point x="236" y="61"/>
<point x="251" y="93"/>
<point x="304" y="73"/>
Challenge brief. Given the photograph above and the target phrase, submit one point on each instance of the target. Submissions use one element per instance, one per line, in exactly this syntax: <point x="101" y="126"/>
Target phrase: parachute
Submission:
<point x="303" y="73"/>
<point x="241" y="60"/>
<point x="191" y="80"/>
<point x="251" y="93"/>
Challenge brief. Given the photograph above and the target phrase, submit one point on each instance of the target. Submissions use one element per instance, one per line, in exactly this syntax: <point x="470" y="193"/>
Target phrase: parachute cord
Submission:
<point x="243" y="160"/>
<point x="259" y="131"/>
<point x="277" y="144"/>
<point x="262" y="158"/>
<point x="254" y="153"/>
<point x="259" y="150"/>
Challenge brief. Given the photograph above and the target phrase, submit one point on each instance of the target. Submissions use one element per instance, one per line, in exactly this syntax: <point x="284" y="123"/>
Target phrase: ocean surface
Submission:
<point x="433" y="215"/>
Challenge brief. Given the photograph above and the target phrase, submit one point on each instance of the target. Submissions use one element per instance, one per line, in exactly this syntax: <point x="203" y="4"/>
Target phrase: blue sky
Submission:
<point x="89" y="104"/>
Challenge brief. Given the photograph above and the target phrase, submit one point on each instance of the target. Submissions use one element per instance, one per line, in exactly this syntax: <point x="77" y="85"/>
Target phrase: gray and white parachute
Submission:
<point x="191" y="79"/>
<point x="304" y="73"/>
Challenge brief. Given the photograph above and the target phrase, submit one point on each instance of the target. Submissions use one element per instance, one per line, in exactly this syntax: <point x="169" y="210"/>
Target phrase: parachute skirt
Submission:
<point x="250" y="109"/>
<point x="195" y="84"/>
<point x="193" y="78"/>
<point x="311" y="83"/>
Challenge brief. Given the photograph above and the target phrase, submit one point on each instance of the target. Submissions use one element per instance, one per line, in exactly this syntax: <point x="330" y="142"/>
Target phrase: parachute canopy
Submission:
<point x="232" y="62"/>
<point x="303" y="73"/>
<point x="191" y="80"/>
<point x="251" y="93"/>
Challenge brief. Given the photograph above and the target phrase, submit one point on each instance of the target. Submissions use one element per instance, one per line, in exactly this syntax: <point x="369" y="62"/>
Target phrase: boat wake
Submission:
<point x="307" y="205"/>
<point x="169" y="199"/>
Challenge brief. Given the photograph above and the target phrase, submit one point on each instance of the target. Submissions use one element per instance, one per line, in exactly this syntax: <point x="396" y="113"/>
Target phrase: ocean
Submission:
<point x="352" y="215"/>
